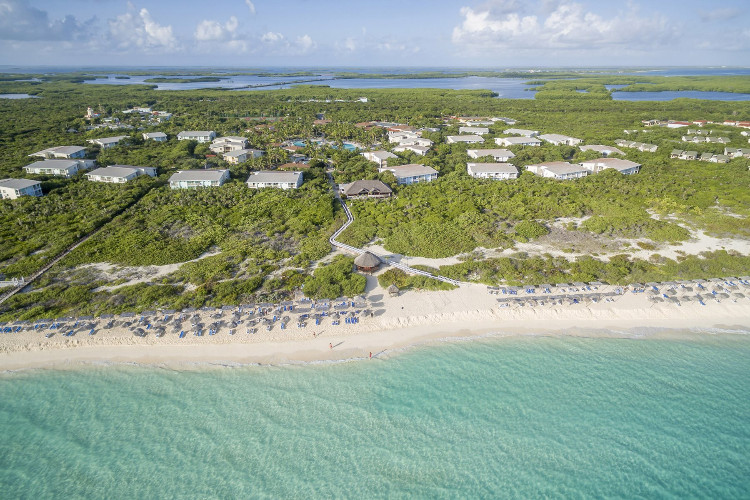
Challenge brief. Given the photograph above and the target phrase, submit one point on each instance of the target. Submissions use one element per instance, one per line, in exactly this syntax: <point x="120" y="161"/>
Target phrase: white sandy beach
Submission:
<point x="413" y="318"/>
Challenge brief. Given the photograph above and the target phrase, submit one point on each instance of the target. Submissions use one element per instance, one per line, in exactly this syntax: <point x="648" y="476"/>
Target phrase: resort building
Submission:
<point x="714" y="158"/>
<point x="108" y="142"/>
<point x="119" y="174"/>
<point x="412" y="173"/>
<point x="11" y="189"/>
<point x="560" y="170"/>
<point x="737" y="152"/>
<point x="640" y="146"/>
<point x="501" y="155"/>
<point x="603" y="150"/>
<point x="417" y="141"/>
<point x="468" y="139"/>
<point x="560" y="140"/>
<point x="61" y="152"/>
<point x="274" y="179"/>
<point x="625" y="167"/>
<point x="379" y="157"/>
<point x="227" y="144"/>
<point x="517" y="141"/>
<point x="186" y="179"/>
<point x="365" y="189"/>
<point x="401" y="136"/>
<point x="521" y="131"/>
<point x="241" y="155"/>
<point x="473" y="130"/>
<point x="196" y="135"/>
<point x="683" y="155"/>
<point x="60" y="168"/>
<point x="698" y="139"/>
<point x="419" y="150"/>
<point x="155" y="136"/>
<point x="496" y="171"/>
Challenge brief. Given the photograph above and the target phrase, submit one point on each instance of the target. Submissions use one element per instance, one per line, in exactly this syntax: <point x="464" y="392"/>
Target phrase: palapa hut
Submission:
<point x="393" y="291"/>
<point x="367" y="262"/>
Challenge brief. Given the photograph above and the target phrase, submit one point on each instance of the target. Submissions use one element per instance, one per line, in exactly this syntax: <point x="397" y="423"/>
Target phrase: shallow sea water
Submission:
<point x="518" y="417"/>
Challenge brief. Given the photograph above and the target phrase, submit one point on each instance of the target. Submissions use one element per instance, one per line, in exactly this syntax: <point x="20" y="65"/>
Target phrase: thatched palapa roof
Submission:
<point x="367" y="260"/>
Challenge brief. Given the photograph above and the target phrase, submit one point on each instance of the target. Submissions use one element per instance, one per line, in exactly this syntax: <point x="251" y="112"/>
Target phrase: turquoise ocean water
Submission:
<point x="515" y="417"/>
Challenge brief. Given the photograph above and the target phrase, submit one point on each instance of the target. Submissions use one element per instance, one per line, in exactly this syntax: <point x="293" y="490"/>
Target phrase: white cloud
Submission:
<point x="305" y="43"/>
<point x="140" y="30"/>
<point x="208" y="30"/>
<point x="272" y="37"/>
<point x="251" y="6"/>
<point x="277" y="43"/>
<point x="20" y="21"/>
<point x="557" y="25"/>
<point x="350" y="44"/>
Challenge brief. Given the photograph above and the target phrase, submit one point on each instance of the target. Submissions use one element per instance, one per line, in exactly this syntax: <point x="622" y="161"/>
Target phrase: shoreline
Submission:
<point x="411" y="320"/>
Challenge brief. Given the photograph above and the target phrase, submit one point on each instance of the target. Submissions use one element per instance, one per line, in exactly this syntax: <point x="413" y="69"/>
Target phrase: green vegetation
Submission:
<point x="620" y="269"/>
<point x="336" y="279"/>
<point x="238" y="245"/>
<point x="35" y="230"/>
<point x="406" y="281"/>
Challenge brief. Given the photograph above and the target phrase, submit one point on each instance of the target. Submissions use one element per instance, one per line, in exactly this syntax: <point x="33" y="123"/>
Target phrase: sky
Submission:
<point x="383" y="33"/>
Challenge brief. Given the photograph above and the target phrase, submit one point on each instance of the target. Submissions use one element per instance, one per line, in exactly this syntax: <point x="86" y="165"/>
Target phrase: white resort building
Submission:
<point x="60" y="168"/>
<point x="560" y="140"/>
<point x="61" y="152"/>
<point x="418" y="150"/>
<point x="474" y="130"/>
<point x="501" y="155"/>
<point x="119" y="174"/>
<point x="241" y="155"/>
<point x="196" y="135"/>
<point x="227" y="144"/>
<point x="155" y="136"/>
<point x="274" y="179"/>
<point x="11" y="189"/>
<point x="186" y="179"/>
<point x="497" y="171"/>
<point x="517" y="141"/>
<point x="108" y="142"/>
<point x="625" y="167"/>
<point x="469" y="139"/>
<point x="603" y="150"/>
<point x="560" y="170"/>
<point x="379" y="157"/>
<point x="521" y="131"/>
<point x="412" y="173"/>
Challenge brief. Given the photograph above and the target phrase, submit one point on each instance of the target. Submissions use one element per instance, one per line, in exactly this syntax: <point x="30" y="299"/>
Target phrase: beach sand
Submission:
<point x="412" y="318"/>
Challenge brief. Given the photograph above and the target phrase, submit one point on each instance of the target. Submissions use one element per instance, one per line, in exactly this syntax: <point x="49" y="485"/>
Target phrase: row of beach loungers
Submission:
<point x="674" y="292"/>
<point x="191" y="320"/>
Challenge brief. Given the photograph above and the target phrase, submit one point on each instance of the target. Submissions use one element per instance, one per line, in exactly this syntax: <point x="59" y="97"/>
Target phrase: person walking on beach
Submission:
<point x="330" y="346"/>
<point x="370" y="354"/>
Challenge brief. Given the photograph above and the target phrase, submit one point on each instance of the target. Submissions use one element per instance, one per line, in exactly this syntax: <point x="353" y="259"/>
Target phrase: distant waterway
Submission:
<point x="505" y="88"/>
<point x="531" y="417"/>
<point x="17" y="96"/>
<point x="668" y="95"/>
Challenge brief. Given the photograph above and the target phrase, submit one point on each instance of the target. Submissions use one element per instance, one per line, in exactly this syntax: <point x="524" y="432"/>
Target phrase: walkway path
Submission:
<point x="358" y="251"/>
<point x="46" y="267"/>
